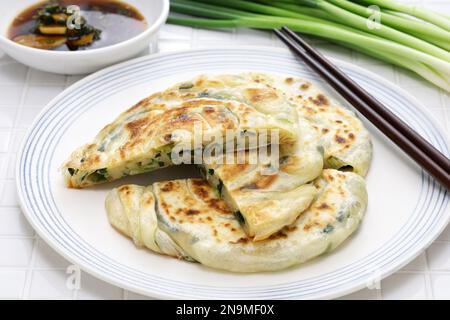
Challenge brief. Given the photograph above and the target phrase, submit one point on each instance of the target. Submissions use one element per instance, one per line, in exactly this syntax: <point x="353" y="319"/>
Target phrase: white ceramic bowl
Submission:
<point x="81" y="62"/>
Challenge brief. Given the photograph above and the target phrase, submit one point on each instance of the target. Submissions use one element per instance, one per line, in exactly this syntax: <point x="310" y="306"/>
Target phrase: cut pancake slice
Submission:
<point x="345" y="140"/>
<point x="131" y="210"/>
<point x="242" y="87"/>
<point x="202" y="228"/>
<point x="142" y="141"/>
<point x="268" y="196"/>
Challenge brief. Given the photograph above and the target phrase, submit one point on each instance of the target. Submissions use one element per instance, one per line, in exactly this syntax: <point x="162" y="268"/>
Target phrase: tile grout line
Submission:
<point x="29" y="274"/>
<point x="396" y="82"/>
<point x="21" y="102"/>
<point x="428" y="285"/>
<point x="379" y="292"/>
<point x="194" y="38"/>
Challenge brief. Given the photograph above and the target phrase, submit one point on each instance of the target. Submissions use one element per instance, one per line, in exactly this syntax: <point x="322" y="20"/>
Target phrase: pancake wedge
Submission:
<point x="131" y="210"/>
<point x="140" y="139"/>
<point x="240" y="87"/>
<point x="198" y="222"/>
<point x="263" y="200"/>
<point x="345" y="140"/>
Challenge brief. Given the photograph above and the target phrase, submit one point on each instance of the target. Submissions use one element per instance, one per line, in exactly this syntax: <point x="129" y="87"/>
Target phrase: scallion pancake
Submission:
<point x="139" y="139"/>
<point x="202" y="228"/>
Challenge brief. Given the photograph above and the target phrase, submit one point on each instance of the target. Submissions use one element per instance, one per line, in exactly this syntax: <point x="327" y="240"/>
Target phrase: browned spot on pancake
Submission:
<point x="240" y="240"/>
<point x="198" y="103"/>
<point x="135" y="127"/>
<point x="320" y="100"/>
<point x="291" y="228"/>
<point x="168" y="186"/>
<point x="230" y="171"/>
<point x="165" y="206"/>
<point x="258" y="95"/>
<point x="124" y="188"/>
<point x="278" y="235"/>
<point x="219" y="205"/>
<point x="351" y="136"/>
<point x="263" y="182"/>
<point x="170" y="94"/>
<point x="306" y="227"/>
<point x="339" y="139"/>
<point x="188" y="95"/>
<point x="199" y="82"/>
<point x="213" y="83"/>
<point x="305" y="86"/>
<point x="338" y="121"/>
<point x="201" y="192"/>
<point x="167" y="137"/>
<point x="208" y="110"/>
<point x="227" y="224"/>
<point x="199" y="182"/>
<point x="95" y="159"/>
<point x="191" y="212"/>
<point x="122" y="152"/>
<point x="325" y="130"/>
<point x="209" y="218"/>
<point x="289" y="80"/>
<point x="233" y="229"/>
<point x="215" y="232"/>
<point x="309" y="110"/>
<point x="324" y="206"/>
<point x="200" y="187"/>
<point x="143" y="102"/>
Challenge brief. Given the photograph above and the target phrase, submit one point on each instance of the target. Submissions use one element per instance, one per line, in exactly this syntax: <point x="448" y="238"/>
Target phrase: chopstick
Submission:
<point x="406" y="130"/>
<point x="420" y="150"/>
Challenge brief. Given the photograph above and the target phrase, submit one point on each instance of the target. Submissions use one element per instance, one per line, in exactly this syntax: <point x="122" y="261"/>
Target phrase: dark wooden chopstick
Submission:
<point x="406" y="130"/>
<point x="433" y="161"/>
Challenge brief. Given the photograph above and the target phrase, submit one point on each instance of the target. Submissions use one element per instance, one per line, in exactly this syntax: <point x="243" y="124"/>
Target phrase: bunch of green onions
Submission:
<point x="409" y="37"/>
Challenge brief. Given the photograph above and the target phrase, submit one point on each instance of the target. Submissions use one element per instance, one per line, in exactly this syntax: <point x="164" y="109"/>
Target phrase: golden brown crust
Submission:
<point x="218" y="103"/>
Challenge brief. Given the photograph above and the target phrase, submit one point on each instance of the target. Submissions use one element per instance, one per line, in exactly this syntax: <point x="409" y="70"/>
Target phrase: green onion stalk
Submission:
<point x="421" y="13"/>
<point x="342" y="16"/>
<point x="419" y="29"/>
<point x="426" y="59"/>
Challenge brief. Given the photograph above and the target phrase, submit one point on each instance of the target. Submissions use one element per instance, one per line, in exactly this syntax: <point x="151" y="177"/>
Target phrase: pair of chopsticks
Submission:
<point x="420" y="150"/>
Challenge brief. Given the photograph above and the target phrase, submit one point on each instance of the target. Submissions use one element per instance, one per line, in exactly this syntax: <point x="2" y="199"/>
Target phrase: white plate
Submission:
<point x="407" y="210"/>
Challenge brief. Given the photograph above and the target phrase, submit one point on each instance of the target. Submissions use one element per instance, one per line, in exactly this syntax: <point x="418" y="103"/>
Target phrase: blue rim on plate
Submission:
<point x="429" y="218"/>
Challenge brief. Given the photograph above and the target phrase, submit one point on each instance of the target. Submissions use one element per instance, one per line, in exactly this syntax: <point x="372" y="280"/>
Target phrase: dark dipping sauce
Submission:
<point x="117" y="21"/>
